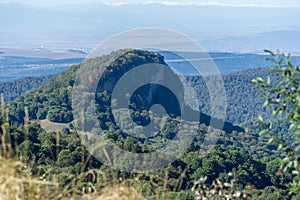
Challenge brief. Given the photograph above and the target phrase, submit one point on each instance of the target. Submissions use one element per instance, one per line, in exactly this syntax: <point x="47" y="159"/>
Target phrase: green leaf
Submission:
<point x="266" y="103"/>
<point x="253" y="81"/>
<point x="259" y="80"/>
<point x="269" y="52"/>
<point x="297" y="131"/>
<point x="289" y="165"/>
<point x="295" y="172"/>
<point x="264" y="132"/>
<point x="270" y="125"/>
<point x="269" y="80"/>
<point x="259" y="118"/>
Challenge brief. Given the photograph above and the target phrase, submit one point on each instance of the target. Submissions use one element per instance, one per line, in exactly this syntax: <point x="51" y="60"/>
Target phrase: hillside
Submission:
<point x="63" y="168"/>
<point x="53" y="101"/>
<point x="14" y="89"/>
<point x="243" y="100"/>
<point x="240" y="162"/>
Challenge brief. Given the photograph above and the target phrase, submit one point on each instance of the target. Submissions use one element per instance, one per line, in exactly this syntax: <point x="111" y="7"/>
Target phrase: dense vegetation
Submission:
<point x="243" y="100"/>
<point x="14" y="89"/>
<point x="62" y="155"/>
<point x="241" y="164"/>
<point x="284" y="97"/>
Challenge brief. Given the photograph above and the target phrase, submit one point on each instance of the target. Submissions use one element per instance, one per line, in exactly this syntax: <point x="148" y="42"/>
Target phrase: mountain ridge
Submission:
<point x="53" y="101"/>
<point x="240" y="104"/>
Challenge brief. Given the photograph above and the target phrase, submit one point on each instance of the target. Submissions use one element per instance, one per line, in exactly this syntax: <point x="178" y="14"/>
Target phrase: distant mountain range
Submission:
<point x="288" y="41"/>
<point x="226" y="62"/>
<point x="217" y="28"/>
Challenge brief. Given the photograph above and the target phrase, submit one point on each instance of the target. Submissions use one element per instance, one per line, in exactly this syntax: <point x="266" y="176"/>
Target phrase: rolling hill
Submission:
<point x="245" y="154"/>
<point x="13" y="89"/>
<point x="53" y="101"/>
<point x="243" y="99"/>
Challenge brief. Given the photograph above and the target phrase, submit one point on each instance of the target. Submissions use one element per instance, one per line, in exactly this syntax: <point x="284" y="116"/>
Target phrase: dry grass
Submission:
<point x="115" y="193"/>
<point x="49" y="126"/>
<point x="16" y="184"/>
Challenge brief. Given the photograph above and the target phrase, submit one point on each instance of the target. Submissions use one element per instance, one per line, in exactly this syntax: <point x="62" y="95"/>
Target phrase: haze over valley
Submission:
<point x="233" y="28"/>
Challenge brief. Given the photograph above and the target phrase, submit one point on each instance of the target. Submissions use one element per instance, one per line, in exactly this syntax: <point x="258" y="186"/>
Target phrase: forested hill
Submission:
<point x="244" y="101"/>
<point x="53" y="101"/>
<point x="242" y="156"/>
<point x="14" y="89"/>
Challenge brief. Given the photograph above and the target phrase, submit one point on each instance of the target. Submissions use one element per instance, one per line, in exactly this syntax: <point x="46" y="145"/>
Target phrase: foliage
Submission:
<point x="219" y="190"/>
<point x="60" y="156"/>
<point x="14" y="89"/>
<point x="243" y="103"/>
<point x="242" y="99"/>
<point x="284" y="98"/>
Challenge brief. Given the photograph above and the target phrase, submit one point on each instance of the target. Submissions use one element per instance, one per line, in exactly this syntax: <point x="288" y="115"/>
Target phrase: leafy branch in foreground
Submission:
<point x="284" y="98"/>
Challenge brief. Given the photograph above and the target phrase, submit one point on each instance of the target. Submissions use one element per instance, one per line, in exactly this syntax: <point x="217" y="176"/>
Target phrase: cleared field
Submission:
<point x="51" y="126"/>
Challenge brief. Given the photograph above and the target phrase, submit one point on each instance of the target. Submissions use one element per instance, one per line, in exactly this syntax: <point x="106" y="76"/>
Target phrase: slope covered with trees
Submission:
<point x="241" y="164"/>
<point x="14" y="89"/>
<point x="244" y="101"/>
<point x="61" y="155"/>
<point x="53" y="101"/>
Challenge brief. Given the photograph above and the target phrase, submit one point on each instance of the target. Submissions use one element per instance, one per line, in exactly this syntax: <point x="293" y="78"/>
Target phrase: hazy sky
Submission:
<point x="275" y="3"/>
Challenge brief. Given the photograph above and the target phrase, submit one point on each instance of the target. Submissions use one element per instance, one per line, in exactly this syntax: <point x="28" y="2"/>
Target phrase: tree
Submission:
<point x="132" y="145"/>
<point x="284" y="98"/>
<point x="66" y="158"/>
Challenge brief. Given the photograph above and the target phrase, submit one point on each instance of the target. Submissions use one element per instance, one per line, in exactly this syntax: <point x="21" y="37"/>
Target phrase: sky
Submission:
<point x="259" y="3"/>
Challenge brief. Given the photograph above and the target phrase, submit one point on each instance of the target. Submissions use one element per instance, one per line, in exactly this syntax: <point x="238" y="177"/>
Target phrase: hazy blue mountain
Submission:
<point x="88" y="24"/>
<point x="226" y="62"/>
<point x="275" y="40"/>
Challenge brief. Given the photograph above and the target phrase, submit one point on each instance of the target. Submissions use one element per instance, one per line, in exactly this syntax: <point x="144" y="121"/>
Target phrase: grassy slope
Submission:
<point x="49" y="126"/>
